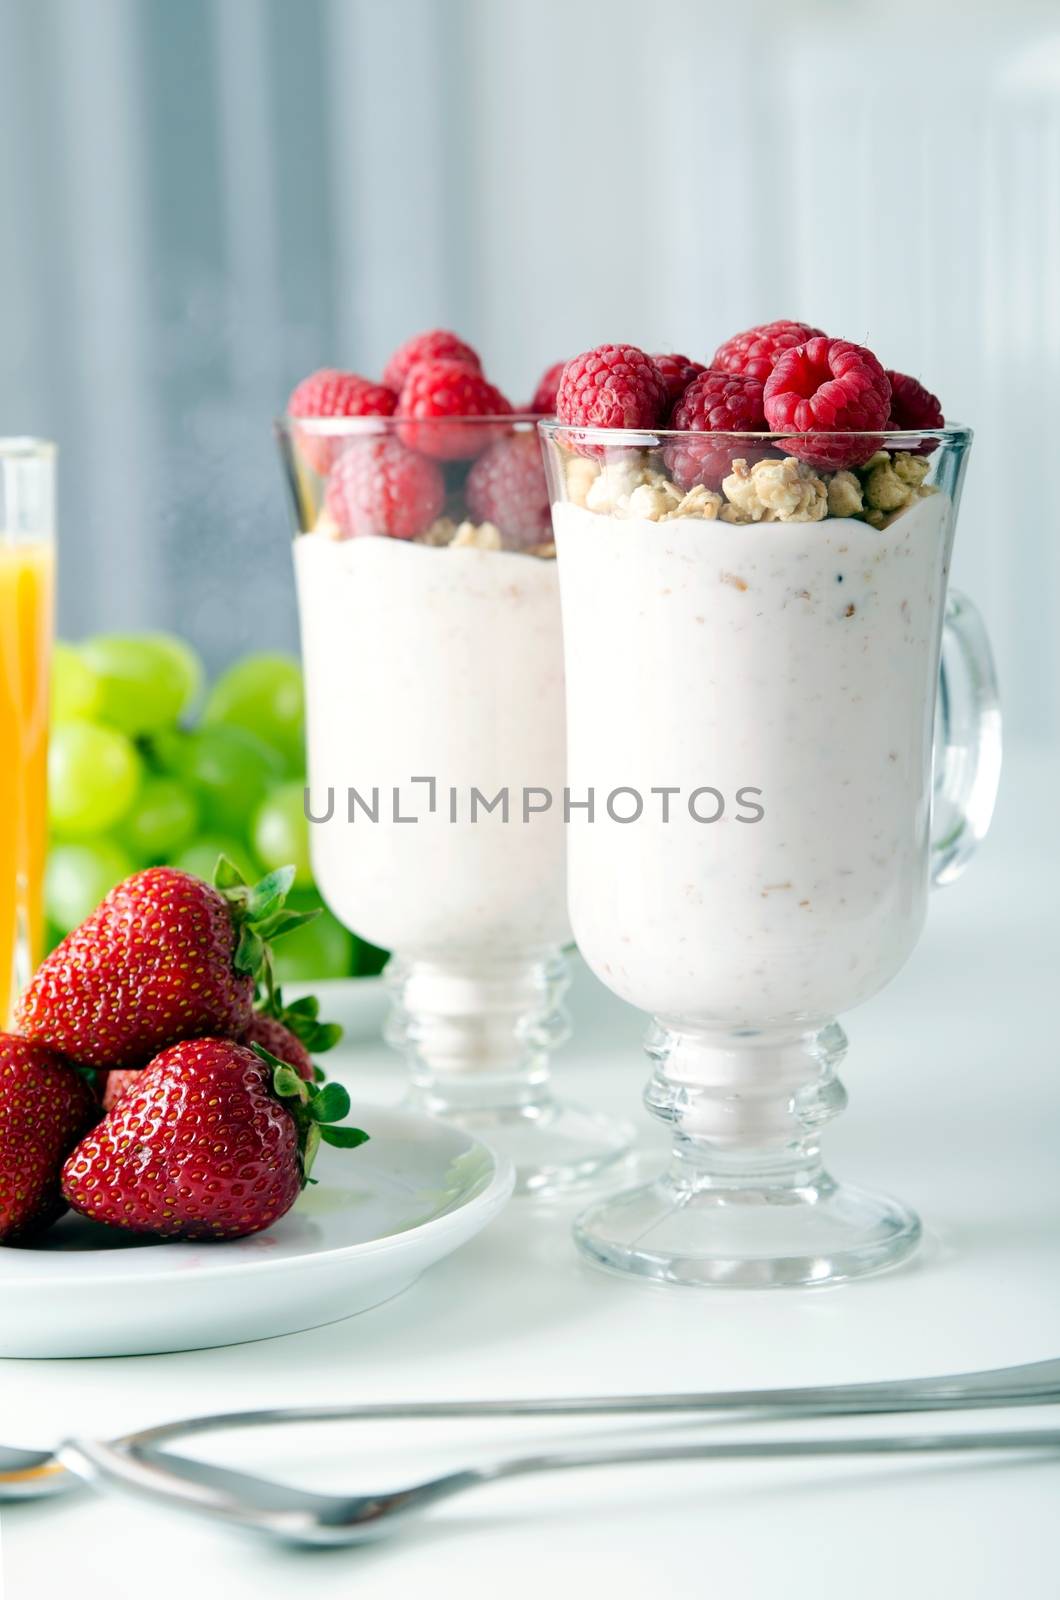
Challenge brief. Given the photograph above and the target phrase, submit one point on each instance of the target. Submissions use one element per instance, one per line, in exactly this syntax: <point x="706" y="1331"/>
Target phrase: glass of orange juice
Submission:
<point x="27" y="588"/>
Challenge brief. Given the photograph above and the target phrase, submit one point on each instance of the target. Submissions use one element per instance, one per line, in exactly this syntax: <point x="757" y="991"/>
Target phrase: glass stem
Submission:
<point x="746" y="1105"/>
<point x="479" y="1034"/>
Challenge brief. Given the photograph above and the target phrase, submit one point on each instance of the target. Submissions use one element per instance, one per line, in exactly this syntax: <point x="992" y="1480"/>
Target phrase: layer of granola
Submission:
<point x="778" y="489"/>
<point x="447" y="533"/>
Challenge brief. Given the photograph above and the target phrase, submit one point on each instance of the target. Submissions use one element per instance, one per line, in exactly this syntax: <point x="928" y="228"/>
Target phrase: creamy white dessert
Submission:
<point x="441" y="663"/>
<point x="798" y="658"/>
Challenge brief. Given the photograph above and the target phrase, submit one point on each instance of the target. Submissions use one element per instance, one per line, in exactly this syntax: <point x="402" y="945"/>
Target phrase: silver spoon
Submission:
<point x="30" y="1474"/>
<point x="300" y="1517"/>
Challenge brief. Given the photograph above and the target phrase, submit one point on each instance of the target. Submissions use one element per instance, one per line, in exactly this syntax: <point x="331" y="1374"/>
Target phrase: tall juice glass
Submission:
<point x="27" y="585"/>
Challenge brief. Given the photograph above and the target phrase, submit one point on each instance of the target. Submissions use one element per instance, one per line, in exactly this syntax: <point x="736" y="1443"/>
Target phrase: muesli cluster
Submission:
<point x="775" y="489"/>
<point x="446" y="533"/>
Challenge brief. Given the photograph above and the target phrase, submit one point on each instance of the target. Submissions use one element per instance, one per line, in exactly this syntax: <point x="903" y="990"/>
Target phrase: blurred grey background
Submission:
<point x="204" y="199"/>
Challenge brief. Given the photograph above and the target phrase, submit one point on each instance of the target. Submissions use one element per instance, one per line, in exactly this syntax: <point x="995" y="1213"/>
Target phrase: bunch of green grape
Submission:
<point x="138" y="775"/>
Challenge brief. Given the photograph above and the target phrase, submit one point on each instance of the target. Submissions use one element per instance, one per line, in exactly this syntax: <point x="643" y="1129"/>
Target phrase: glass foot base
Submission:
<point x="554" y="1147"/>
<point x="747" y="1238"/>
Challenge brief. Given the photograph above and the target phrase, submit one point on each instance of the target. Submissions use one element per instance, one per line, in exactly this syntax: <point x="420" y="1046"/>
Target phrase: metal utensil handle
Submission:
<point x="773" y="1449"/>
<point x="1034" y="1383"/>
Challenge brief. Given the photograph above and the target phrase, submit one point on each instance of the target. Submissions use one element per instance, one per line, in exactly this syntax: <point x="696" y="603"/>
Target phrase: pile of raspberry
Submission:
<point x="443" y="450"/>
<point x="829" y="398"/>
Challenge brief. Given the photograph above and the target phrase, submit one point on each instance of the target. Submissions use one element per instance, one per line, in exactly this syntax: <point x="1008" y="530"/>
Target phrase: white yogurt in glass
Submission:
<point x="443" y="663"/>
<point x="795" y="658"/>
<point x="448" y="664"/>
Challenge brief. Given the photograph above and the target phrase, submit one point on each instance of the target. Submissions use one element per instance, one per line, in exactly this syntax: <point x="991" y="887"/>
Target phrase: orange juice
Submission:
<point x="27" y="581"/>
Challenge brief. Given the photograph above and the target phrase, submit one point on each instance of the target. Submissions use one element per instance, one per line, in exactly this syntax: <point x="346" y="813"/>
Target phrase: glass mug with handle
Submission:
<point x="751" y="674"/>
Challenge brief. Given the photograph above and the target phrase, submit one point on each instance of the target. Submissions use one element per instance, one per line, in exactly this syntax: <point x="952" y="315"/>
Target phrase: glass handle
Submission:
<point x="967" y="741"/>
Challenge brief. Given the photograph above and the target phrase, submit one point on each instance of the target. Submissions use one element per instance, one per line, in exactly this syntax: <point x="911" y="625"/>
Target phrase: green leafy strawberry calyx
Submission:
<point x="259" y="915"/>
<point x="316" y="1111"/>
<point x="302" y="1018"/>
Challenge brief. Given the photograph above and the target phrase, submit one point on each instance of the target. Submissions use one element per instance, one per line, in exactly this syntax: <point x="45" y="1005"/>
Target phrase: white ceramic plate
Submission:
<point x="374" y="1220"/>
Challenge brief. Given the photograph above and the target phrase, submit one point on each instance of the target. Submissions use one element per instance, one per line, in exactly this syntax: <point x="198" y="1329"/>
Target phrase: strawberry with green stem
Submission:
<point x="164" y="957"/>
<point x="287" y="1032"/>
<point x="318" y="1110"/>
<point x="293" y="1032"/>
<point x="215" y="1141"/>
<point x="293" y="1035"/>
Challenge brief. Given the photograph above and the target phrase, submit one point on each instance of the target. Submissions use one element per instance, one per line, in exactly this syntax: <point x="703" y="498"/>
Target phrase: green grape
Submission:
<point x="263" y="693"/>
<point x="162" y="821"/>
<point x="144" y="685"/>
<point x="93" y="778"/>
<point x="167" y="751"/>
<point x="230" y="770"/>
<point x="321" y="949"/>
<point x="76" y="689"/>
<point x="280" y="832"/>
<point x="188" y="663"/>
<point x="78" y="876"/>
<point x="200" y="858"/>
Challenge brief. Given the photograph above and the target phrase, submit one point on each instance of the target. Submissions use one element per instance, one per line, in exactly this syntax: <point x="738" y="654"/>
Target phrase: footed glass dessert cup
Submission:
<point x="433" y="660"/>
<point x="752" y="629"/>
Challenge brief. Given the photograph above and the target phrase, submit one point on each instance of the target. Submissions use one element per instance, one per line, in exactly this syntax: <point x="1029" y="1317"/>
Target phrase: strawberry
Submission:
<point x="214" y="1141"/>
<point x="293" y="1033"/>
<point x="45" y="1107"/>
<point x="287" y="1032"/>
<point x="164" y="957"/>
<point x="112" y="1084"/>
<point x="282" y="1043"/>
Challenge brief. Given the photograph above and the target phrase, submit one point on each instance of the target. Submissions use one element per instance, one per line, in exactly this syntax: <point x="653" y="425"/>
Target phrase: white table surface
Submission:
<point x="955" y="1105"/>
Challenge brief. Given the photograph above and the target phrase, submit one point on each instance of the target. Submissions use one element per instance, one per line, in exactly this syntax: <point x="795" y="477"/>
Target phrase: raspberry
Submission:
<point x="378" y="486"/>
<point x="828" y="386"/>
<point x="544" y="402"/>
<point x="715" y="402"/>
<point x="677" y="373"/>
<point x="330" y="393"/>
<point x="438" y="345"/>
<point x="613" y="386"/>
<point x="439" y="389"/>
<point x="507" y="487"/>
<point x="756" y="351"/>
<point x="913" y="406"/>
